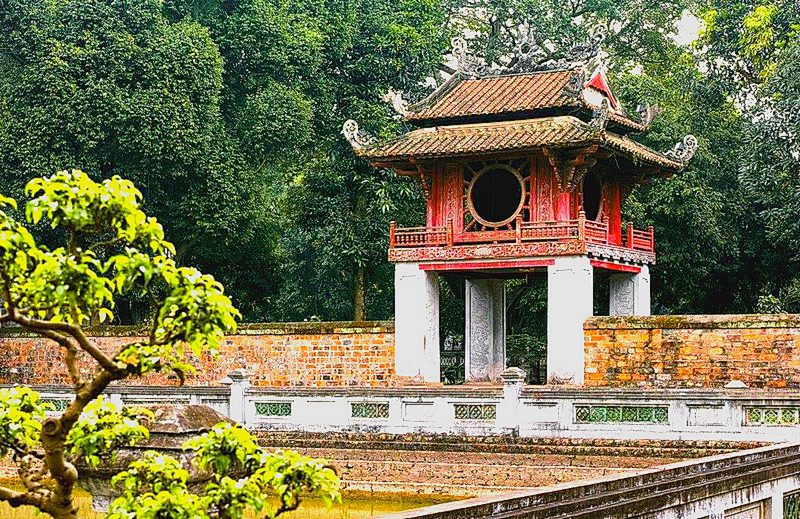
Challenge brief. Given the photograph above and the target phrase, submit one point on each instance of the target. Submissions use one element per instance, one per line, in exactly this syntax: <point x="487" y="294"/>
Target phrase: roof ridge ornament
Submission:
<point x="467" y="64"/>
<point x="599" y="119"/>
<point x="647" y="112"/>
<point x="399" y="104"/>
<point x="574" y="87"/>
<point x="684" y="151"/>
<point x="586" y="56"/>
<point x="358" y="139"/>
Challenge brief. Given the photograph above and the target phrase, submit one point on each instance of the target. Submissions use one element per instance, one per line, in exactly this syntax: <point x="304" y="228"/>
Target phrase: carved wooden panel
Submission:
<point x="488" y="251"/>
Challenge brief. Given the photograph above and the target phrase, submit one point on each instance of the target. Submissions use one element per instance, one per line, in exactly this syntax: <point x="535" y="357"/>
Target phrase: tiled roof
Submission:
<point x="506" y="95"/>
<point x="481" y="138"/>
<point x="502" y="94"/>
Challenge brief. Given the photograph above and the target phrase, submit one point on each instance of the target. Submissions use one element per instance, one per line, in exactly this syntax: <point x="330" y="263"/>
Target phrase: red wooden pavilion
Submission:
<point x="521" y="171"/>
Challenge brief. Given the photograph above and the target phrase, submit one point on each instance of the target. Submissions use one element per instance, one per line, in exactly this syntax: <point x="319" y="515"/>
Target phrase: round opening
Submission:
<point x="592" y="195"/>
<point x="496" y="195"/>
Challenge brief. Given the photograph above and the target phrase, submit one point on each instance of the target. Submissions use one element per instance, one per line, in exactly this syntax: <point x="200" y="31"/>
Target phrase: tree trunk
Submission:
<point x="359" y="295"/>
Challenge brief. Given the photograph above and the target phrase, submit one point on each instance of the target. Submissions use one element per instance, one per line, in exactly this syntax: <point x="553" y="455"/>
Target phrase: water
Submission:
<point x="357" y="506"/>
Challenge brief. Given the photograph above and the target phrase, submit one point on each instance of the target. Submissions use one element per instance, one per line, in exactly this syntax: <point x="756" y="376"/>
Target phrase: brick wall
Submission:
<point x="693" y="350"/>
<point x="279" y="355"/>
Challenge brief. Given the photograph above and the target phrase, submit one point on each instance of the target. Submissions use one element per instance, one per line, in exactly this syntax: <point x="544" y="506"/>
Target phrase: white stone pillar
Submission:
<point x="508" y="411"/>
<point x="416" y="322"/>
<point x="239" y="382"/>
<point x="569" y="303"/>
<point x="629" y="294"/>
<point x="485" y="335"/>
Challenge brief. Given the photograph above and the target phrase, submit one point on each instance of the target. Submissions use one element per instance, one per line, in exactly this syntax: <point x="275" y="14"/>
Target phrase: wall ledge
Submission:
<point x="678" y="322"/>
<point x="296" y="328"/>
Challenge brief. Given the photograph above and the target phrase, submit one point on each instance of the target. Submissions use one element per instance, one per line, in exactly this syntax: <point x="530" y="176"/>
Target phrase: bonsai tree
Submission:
<point x="111" y="249"/>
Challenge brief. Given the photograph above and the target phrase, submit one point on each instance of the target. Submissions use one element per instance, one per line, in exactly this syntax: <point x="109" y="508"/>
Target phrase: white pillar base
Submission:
<point x="416" y="301"/>
<point x="569" y="303"/>
<point x="629" y="294"/>
<point x="485" y="337"/>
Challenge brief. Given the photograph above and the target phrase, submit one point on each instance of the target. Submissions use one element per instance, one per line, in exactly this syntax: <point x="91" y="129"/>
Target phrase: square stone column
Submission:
<point x="485" y="337"/>
<point x="629" y="294"/>
<point x="570" y="290"/>
<point x="416" y="322"/>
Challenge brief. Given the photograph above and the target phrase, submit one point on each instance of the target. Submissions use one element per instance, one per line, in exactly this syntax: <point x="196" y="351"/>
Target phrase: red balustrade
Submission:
<point x="581" y="229"/>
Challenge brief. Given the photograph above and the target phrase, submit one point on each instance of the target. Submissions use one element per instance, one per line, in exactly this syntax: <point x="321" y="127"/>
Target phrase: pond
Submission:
<point x="355" y="506"/>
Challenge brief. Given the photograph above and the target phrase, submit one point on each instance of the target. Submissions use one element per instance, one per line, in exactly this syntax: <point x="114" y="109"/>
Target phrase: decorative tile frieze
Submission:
<point x="273" y="408"/>
<point x="772" y="416"/>
<point x="57" y="405"/>
<point x="475" y="411"/>
<point x="621" y="414"/>
<point x="369" y="410"/>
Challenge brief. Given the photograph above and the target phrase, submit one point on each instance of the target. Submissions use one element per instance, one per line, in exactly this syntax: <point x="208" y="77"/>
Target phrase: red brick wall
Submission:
<point x="693" y="350"/>
<point x="278" y="355"/>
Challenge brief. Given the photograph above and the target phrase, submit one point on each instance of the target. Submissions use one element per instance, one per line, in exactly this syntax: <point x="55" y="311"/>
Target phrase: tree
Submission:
<point x="294" y="72"/>
<point x="136" y="94"/>
<point x="112" y="249"/>
<point x="754" y="48"/>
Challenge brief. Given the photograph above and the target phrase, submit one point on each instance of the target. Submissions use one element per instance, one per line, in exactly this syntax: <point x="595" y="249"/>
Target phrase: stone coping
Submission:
<point x="493" y="392"/>
<point x="481" y="391"/>
<point x="667" y="322"/>
<point x="297" y="328"/>
<point x="692" y="478"/>
<point x="704" y="395"/>
<point x="645" y="393"/>
<point x="140" y="390"/>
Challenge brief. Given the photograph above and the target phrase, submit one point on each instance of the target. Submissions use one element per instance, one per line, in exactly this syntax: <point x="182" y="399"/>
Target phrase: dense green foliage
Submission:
<point x="112" y="250"/>
<point x="268" y="483"/>
<point x="227" y="115"/>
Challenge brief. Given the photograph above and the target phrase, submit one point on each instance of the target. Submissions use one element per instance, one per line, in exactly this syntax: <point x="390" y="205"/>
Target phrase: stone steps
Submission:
<point x="521" y="460"/>
<point x="456" y="465"/>
<point x="485" y="443"/>
<point x="640" y="450"/>
<point x="463" y="474"/>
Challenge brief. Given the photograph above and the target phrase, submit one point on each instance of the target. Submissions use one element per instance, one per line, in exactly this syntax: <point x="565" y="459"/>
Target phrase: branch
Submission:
<point x="54" y="436"/>
<point x="39" y="325"/>
<point x="106" y="243"/>
<point x="447" y="70"/>
<point x="30" y="475"/>
<point x="16" y="499"/>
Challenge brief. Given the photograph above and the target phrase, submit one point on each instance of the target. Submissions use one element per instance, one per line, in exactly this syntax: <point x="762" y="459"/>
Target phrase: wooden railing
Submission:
<point x="580" y="229"/>
<point x="639" y="240"/>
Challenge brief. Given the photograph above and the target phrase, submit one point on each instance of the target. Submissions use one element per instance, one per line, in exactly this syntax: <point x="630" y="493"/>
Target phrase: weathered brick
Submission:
<point x="278" y="355"/>
<point x="694" y="351"/>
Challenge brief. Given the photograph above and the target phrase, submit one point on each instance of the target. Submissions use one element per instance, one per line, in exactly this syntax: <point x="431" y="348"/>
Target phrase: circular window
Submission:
<point x="496" y="195"/>
<point x="592" y="195"/>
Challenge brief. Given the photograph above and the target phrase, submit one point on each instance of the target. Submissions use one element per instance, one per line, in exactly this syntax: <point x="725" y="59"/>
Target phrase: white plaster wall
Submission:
<point x="528" y="417"/>
<point x="693" y="415"/>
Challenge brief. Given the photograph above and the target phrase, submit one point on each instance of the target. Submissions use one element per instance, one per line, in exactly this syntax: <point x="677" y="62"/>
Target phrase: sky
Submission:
<point x="688" y="29"/>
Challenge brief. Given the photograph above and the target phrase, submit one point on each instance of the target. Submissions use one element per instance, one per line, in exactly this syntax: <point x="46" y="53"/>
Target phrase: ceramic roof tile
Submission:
<point x="502" y="94"/>
<point x="473" y="139"/>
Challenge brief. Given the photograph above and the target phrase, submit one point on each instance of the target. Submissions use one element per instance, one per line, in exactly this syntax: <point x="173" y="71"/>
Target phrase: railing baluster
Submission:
<point x="630" y="236"/>
<point x="450" y="241"/>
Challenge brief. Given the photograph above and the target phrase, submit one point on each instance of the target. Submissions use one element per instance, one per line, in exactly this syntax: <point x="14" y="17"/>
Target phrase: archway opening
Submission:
<point x="592" y="195"/>
<point x="496" y="196"/>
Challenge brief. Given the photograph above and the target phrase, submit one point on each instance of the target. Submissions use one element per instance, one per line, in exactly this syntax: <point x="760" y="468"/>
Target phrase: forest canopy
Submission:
<point x="227" y="116"/>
